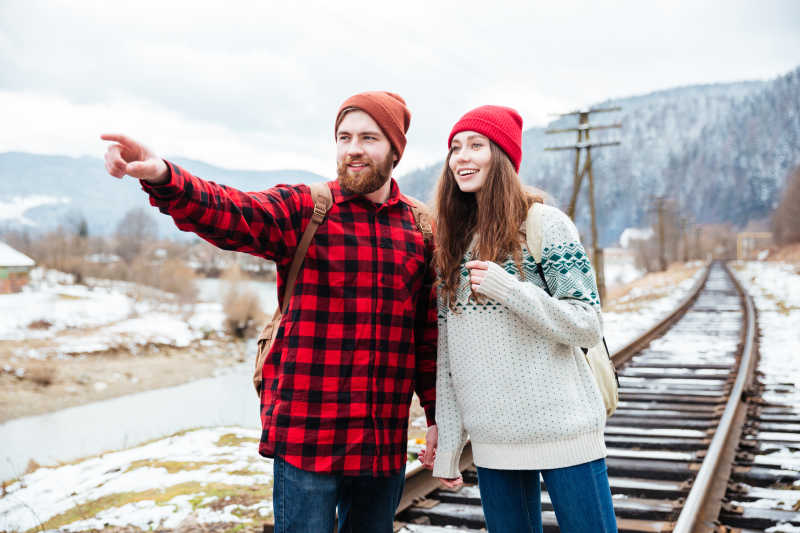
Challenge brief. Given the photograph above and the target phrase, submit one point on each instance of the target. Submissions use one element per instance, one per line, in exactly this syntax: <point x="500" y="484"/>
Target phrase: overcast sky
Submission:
<point x="256" y="84"/>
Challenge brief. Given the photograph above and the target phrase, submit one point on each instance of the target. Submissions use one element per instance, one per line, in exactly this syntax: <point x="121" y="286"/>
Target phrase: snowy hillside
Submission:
<point x="721" y="150"/>
<point x="39" y="191"/>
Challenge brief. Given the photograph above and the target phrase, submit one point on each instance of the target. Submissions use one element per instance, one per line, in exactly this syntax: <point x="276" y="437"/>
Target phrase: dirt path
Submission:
<point x="56" y="383"/>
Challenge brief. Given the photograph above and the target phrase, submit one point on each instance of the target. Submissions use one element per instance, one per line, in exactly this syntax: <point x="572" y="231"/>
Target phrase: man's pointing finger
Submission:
<point x="124" y="140"/>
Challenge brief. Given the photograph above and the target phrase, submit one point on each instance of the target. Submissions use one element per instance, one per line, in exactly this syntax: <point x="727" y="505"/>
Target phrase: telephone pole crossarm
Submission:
<point x="587" y="111"/>
<point x="584" y="127"/>
<point x="579" y="146"/>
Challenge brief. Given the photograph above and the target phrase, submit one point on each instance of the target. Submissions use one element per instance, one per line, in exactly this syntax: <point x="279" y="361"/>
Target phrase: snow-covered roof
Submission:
<point x="9" y="257"/>
<point x="634" y="234"/>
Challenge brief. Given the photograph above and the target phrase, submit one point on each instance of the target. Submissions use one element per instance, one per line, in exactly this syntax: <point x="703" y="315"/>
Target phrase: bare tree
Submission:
<point x="75" y="223"/>
<point x="786" y="219"/>
<point x="136" y="230"/>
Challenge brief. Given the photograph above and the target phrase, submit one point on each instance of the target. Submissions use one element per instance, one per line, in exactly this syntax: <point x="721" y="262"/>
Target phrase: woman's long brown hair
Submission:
<point x="495" y="213"/>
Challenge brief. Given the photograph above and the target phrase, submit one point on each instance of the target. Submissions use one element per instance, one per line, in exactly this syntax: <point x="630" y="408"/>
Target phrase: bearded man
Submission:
<point x="359" y="334"/>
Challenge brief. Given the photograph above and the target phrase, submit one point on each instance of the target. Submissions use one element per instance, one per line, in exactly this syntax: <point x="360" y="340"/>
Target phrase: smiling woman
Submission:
<point x="510" y="371"/>
<point x="470" y="158"/>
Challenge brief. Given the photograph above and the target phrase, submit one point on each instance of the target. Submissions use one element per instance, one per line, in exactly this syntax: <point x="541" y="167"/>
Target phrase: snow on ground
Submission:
<point x="119" y="313"/>
<point x="217" y="473"/>
<point x="775" y="288"/>
<point x="620" y="266"/>
<point x="642" y="308"/>
<point x="214" y="474"/>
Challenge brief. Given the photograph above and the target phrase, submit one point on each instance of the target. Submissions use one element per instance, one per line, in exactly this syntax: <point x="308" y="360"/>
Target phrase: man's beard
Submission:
<point x="369" y="180"/>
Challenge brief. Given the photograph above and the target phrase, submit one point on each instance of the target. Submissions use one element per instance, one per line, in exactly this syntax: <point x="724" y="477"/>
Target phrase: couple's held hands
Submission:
<point x="428" y="454"/>
<point x="130" y="157"/>
<point x="477" y="273"/>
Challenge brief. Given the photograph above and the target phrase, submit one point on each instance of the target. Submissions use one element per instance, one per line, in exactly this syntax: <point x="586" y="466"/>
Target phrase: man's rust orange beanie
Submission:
<point x="387" y="109"/>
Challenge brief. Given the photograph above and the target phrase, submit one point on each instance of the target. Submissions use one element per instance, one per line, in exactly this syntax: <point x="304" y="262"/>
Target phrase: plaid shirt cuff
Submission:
<point x="430" y="415"/>
<point x="169" y="190"/>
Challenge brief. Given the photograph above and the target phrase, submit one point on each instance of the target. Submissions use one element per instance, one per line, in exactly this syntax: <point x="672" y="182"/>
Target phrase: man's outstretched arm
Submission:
<point x="260" y="223"/>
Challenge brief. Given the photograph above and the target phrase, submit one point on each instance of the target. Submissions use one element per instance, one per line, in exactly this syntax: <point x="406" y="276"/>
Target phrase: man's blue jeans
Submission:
<point x="305" y="502"/>
<point x="580" y="494"/>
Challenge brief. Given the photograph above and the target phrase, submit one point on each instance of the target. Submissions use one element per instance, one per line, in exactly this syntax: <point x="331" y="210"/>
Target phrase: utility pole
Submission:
<point x="698" y="232"/>
<point x="584" y="144"/>
<point x="685" y="238"/>
<point x="660" y="207"/>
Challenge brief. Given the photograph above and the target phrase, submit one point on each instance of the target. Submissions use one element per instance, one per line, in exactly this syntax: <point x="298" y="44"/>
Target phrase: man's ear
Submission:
<point x="395" y="160"/>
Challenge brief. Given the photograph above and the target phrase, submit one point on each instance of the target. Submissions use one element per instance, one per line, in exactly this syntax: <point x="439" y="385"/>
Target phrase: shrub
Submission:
<point x="242" y="308"/>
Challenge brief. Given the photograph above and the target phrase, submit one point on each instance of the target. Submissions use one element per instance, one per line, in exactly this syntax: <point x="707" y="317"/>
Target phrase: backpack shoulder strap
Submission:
<point x="323" y="199"/>
<point x="533" y="231"/>
<point x="422" y="217"/>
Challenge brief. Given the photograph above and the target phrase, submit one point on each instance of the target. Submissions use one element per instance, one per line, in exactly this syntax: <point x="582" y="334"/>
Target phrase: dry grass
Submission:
<point x="618" y="297"/>
<point x="786" y="254"/>
<point x="243" y="495"/>
<point x="243" y="314"/>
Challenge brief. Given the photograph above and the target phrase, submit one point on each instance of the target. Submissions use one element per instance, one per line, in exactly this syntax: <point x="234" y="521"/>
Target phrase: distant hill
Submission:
<point x="39" y="191"/>
<point x="722" y="151"/>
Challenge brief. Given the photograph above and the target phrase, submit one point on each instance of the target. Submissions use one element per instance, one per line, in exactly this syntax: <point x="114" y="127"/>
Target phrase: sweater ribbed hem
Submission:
<point x="446" y="464"/>
<point x="497" y="284"/>
<point x="540" y="456"/>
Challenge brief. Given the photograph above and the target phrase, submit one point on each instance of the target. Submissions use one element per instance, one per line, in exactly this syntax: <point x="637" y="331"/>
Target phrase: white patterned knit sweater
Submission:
<point x="511" y="373"/>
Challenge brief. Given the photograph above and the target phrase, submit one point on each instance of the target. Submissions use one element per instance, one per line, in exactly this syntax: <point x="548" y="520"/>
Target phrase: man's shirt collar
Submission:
<point x="341" y="195"/>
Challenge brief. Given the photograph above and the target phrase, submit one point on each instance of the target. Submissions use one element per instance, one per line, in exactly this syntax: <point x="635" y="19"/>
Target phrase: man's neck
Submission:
<point x="381" y="195"/>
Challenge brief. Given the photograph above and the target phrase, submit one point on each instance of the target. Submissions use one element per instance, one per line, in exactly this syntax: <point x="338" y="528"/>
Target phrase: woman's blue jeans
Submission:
<point x="580" y="494"/>
<point x="306" y="502"/>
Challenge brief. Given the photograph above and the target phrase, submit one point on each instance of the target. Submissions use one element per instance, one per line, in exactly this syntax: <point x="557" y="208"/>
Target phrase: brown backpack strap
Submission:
<point x="323" y="199"/>
<point x="423" y="218"/>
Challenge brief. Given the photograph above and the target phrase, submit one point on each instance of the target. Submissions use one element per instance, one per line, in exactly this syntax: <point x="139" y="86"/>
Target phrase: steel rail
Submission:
<point x="704" y="500"/>
<point x="624" y="354"/>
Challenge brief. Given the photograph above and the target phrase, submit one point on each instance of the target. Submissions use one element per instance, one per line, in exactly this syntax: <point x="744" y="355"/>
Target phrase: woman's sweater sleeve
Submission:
<point x="572" y="314"/>
<point x="452" y="436"/>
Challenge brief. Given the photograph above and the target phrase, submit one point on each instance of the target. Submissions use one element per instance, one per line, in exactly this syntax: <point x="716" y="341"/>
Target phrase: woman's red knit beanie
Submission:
<point x="387" y="109"/>
<point x="502" y="125"/>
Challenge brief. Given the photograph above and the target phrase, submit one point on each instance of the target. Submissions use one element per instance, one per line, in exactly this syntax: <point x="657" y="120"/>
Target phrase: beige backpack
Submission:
<point x="323" y="199"/>
<point x="598" y="357"/>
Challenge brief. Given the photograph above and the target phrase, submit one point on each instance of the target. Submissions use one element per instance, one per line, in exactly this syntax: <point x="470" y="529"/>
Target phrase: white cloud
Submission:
<point x="257" y="84"/>
<point x="48" y="123"/>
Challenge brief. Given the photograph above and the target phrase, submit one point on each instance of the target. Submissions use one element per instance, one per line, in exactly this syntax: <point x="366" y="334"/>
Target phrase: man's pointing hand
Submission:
<point x="130" y="157"/>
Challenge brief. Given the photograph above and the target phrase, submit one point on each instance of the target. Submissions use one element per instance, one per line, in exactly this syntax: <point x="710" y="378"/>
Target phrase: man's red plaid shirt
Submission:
<point x="360" y="332"/>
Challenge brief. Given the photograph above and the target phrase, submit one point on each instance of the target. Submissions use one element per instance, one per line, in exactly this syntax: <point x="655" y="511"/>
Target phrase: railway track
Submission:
<point x="689" y="437"/>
